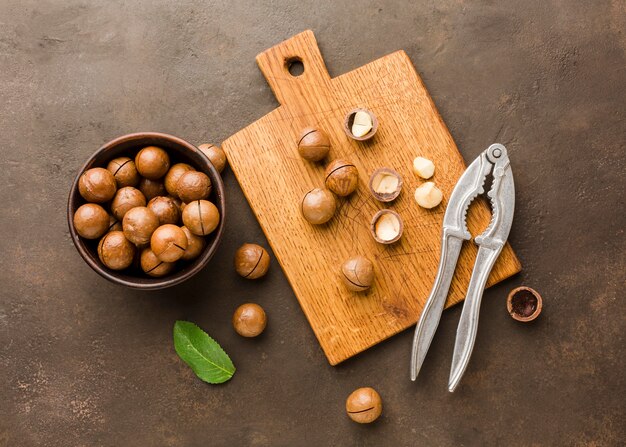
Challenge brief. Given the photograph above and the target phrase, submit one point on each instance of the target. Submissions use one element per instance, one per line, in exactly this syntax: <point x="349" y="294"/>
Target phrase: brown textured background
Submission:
<point x="84" y="362"/>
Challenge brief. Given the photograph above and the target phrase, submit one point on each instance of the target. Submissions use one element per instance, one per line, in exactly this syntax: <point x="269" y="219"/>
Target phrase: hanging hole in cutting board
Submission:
<point x="294" y="66"/>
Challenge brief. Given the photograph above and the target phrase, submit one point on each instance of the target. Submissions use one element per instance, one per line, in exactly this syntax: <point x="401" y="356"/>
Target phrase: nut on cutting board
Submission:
<point x="309" y="254"/>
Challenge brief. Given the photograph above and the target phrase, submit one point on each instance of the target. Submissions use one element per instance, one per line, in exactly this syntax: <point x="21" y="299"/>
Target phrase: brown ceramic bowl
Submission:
<point x="179" y="151"/>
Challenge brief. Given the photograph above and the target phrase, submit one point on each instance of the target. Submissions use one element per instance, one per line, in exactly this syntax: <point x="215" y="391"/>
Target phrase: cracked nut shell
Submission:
<point x="193" y="185"/>
<point x="97" y="185"/>
<point x="115" y="251"/>
<point x="318" y="206"/>
<point x="153" y="266"/>
<point x="165" y="209"/>
<point x="249" y="320"/>
<point x="386" y="226"/>
<point x="252" y="261"/>
<point x="358" y="273"/>
<point x="124" y="171"/>
<point x="349" y="121"/>
<point x="364" y="405"/>
<point x="138" y="225"/>
<point x="91" y="221"/>
<point x="524" y="304"/>
<point x="152" y="162"/>
<point x="341" y="177"/>
<point x="195" y="245"/>
<point x="201" y="217"/>
<point x="313" y="144"/>
<point x="126" y="199"/>
<point x="168" y="242"/>
<point x="151" y="188"/>
<point x="385" y="184"/>
<point x="173" y="175"/>
<point x="215" y="154"/>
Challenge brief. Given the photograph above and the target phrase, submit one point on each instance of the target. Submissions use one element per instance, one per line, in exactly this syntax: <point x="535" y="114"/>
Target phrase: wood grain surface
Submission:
<point x="274" y="178"/>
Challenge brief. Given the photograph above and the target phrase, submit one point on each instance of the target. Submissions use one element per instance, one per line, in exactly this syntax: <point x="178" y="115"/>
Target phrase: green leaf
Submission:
<point x="203" y="354"/>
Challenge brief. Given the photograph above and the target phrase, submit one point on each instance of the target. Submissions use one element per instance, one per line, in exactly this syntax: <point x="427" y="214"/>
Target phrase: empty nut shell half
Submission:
<point x="386" y="226"/>
<point x="385" y="184"/>
<point x="355" y="115"/>
<point x="358" y="273"/>
<point x="341" y="177"/>
<point x="524" y="304"/>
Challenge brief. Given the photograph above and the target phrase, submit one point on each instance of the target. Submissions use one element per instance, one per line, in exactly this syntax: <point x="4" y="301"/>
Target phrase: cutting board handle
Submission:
<point x="275" y="63"/>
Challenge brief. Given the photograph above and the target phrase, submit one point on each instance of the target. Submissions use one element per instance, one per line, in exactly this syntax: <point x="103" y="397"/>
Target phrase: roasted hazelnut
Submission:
<point x="385" y="184"/>
<point x="172" y="176"/>
<point x="115" y="251"/>
<point x="524" y="304"/>
<point x="364" y="405"/>
<point x="195" y="245"/>
<point x="249" y="320"/>
<point x="124" y="171"/>
<point x="313" y="144"/>
<point x="358" y="273"/>
<point x="201" y="217"/>
<point x="97" y="185"/>
<point x="152" y="265"/>
<point x="193" y="185"/>
<point x="215" y="154"/>
<point x="114" y="224"/>
<point x="386" y="227"/>
<point x="152" y="162"/>
<point x="139" y="223"/>
<point x="126" y="199"/>
<point x="151" y="188"/>
<point x="252" y="261"/>
<point x="318" y="206"/>
<point x="91" y="221"/>
<point x="168" y="242"/>
<point x="341" y="177"/>
<point x="165" y="209"/>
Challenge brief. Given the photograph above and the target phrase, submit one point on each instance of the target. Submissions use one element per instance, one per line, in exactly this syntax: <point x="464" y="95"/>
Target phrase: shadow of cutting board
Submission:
<point x="265" y="160"/>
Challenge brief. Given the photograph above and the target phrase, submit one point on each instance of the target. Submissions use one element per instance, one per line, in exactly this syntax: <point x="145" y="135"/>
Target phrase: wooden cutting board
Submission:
<point x="265" y="160"/>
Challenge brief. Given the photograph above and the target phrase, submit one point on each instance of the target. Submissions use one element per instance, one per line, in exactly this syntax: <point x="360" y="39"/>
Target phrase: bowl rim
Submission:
<point x="166" y="281"/>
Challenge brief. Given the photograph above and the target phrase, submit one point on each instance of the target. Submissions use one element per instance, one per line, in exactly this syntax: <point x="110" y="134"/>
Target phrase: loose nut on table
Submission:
<point x="249" y="320"/>
<point x="358" y="273"/>
<point x="215" y="154"/>
<point x="428" y="195"/>
<point x="124" y="171"/>
<point x="252" y="261"/>
<point x="341" y="177"/>
<point x="313" y="144"/>
<point x="97" y="185"/>
<point x="364" y="405"/>
<point x="152" y="162"/>
<point x="318" y="206"/>
<point x="423" y="167"/>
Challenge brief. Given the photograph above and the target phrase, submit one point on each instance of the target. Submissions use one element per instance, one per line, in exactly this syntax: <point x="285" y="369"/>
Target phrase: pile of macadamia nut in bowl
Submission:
<point x="147" y="210"/>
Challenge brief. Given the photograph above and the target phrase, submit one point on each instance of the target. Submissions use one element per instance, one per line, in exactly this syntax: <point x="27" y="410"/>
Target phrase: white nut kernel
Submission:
<point x="362" y="124"/>
<point x="428" y="195"/>
<point x="423" y="167"/>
